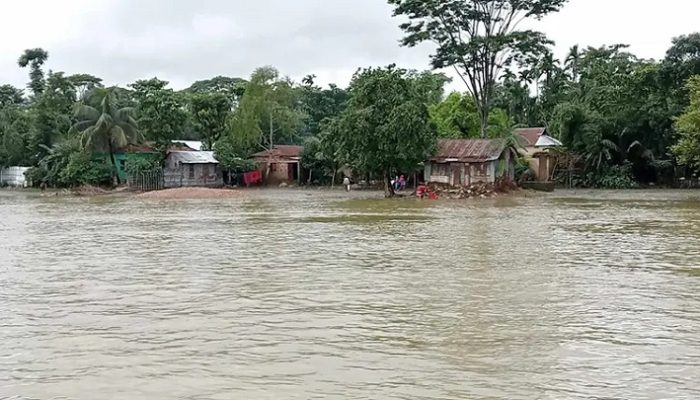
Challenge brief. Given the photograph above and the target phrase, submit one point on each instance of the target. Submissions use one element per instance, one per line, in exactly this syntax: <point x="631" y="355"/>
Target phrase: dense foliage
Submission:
<point x="386" y="127"/>
<point x="624" y="121"/>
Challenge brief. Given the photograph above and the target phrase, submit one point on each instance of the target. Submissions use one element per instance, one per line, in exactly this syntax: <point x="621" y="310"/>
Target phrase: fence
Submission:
<point x="146" y="181"/>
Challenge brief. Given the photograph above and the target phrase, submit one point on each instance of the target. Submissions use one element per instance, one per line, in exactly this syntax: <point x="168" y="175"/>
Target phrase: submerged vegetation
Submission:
<point x="624" y="121"/>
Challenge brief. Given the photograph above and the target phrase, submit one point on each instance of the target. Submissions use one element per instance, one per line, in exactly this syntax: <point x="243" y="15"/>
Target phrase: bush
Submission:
<point x="614" y="177"/>
<point x="82" y="169"/>
<point x="135" y="166"/>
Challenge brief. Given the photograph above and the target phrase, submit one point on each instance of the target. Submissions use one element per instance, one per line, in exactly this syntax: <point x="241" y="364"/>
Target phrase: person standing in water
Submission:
<point x="346" y="183"/>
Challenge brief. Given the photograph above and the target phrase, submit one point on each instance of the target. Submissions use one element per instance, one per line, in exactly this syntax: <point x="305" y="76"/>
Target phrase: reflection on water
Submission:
<point x="301" y="294"/>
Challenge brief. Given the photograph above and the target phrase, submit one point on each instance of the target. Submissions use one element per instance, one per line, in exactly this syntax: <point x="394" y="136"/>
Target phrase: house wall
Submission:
<point x="14" y="176"/>
<point x="122" y="158"/>
<point x="533" y="162"/>
<point x="192" y="175"/>
<point x="465" y="173"/>
<point x="279" y="172"/>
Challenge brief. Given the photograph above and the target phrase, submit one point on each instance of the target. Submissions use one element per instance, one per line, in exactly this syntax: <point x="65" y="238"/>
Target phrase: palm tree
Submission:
<point x="573" y="62"/>
<point x="104" y="127"/>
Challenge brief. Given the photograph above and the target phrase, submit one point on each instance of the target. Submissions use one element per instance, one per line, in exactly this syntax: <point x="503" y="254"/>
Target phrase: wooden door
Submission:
<point x="456" y="175"/>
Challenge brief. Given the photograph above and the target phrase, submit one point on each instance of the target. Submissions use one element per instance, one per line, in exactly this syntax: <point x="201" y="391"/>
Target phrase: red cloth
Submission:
<point x="251" y="178"/>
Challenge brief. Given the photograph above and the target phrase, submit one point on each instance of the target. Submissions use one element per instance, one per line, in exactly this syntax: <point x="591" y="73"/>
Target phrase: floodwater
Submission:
<point x="316" y="294"/>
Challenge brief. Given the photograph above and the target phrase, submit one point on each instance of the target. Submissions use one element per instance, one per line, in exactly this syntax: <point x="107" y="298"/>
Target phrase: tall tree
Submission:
<point x="209" y="112"/>
<point x="52" y="112"/>
<point x="104" y="127"/>
<point x="478" y="38"/>
<point x="84" y="83"/>
<point x="34" y="58"/>
<point x="160" y="112"/>
<point x="573" y="62"/>
<point x="267" y="114"/>
<point x="386" y="126"/>
<point x="233" y="88"/>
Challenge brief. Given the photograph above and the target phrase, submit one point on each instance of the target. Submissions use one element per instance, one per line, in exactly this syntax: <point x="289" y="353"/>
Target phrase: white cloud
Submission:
<point x="183" y="40"/>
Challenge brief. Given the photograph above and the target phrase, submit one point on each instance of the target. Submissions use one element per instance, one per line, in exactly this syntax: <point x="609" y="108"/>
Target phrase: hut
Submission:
<point x="14" y="176"/>
<point x="192" y="168"/>
<point x="535" y="145"/>
<point x="281" y="164"/>
<point x="463" y="162"/>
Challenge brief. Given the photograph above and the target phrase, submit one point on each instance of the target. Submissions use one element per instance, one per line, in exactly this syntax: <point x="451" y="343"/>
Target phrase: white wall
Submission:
<point x="14" y="176"/>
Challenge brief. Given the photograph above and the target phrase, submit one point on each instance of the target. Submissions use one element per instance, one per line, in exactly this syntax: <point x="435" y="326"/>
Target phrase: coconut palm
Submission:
<point x="104" y="127"/>
<point x="573" y="62"/>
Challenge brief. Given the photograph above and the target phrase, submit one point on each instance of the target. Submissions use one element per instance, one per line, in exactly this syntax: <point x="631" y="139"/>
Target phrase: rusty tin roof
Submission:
<point x="469" y="150"/>
<point x="281" y="151"/>
<point x="530" y="135"/>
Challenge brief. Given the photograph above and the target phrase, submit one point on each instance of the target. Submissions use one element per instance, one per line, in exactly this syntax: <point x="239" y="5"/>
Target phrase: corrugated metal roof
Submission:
<point x="548" y="141"/>
<point x="531" y="135"/>
<point x="192" y="144"/>
<point x="469" y="150"/>
<point x="281" y="151"/>
<point x="193" y="157"/>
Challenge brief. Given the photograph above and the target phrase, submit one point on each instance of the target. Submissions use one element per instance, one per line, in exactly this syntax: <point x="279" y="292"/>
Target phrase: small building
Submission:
<point x="192" y="168"/>
<point x="281" y="164"/>
<point x="131" y="152"/>
<point x="462" y="162"/>
<point x="14" y="176"/>
<point x="535" y="145"/>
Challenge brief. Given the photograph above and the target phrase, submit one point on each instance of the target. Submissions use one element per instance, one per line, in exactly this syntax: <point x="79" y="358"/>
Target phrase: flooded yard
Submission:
<point x="294" y="294"/>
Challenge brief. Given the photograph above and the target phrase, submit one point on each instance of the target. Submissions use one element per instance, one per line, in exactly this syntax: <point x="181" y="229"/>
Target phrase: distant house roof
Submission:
<point x="193" y="157"/>
<point x="192" y="144"/>
<point x="530" y="135"/>
<point x="280" y="152"/>
<point x="547" y="141"/>
<point x="469" y="150"/>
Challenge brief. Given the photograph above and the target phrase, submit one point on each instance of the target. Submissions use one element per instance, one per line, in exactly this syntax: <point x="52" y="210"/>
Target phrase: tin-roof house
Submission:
<point x="280" y="164"/>
<point x="192" y="168"/>
<point x="462" y="162"/>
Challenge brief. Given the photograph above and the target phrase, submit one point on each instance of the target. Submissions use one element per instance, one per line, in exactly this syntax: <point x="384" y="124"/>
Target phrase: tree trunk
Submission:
<point x="311" y="174"/>
<point x="388" y="189"/>
<point x="115" y="175"/>
<point x="484" y="120"/>
<point x="335" y="172"/>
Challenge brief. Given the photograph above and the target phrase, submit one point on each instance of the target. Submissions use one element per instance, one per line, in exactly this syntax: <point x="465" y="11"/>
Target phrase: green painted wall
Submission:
<point x="121" y="159"/>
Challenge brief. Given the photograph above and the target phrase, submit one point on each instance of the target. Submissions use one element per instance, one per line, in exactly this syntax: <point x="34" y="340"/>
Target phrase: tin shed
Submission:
<point x="462" y="162"/>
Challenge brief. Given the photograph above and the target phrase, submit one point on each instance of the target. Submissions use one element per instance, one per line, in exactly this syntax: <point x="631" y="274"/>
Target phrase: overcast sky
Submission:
<point x="187" y="40"/>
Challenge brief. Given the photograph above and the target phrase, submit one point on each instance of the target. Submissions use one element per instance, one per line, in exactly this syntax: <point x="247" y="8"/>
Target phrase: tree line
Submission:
<point x="624" y="120"/>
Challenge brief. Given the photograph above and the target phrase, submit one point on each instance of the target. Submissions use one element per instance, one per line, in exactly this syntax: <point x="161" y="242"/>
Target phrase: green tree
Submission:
<point x="83" y="83"/>
<point x="267" y="114"/>
<point x="51" y="113"/>
<point x="478" y="38"/>
<point x="233" y="88"/>
<point x="456" y="117"/>
<point x="10" y="96"/>
<point x="15" y="133"/>
<point x="210" y="112"/>
<point x="34" y="58"/>
<point x="688" y="124"/>
<point x="160" y="112"/>
<point x="104" y="127"/>
<point x="386" y="126"/>
<point x="319" y="104"/>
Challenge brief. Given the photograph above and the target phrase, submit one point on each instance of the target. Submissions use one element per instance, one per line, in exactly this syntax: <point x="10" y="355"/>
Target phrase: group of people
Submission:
<point x="399" y="183"/>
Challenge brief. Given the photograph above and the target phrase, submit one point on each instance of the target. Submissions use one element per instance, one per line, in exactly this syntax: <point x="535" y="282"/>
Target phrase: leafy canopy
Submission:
<point x="386" y="126"/>
<point x="478" y="38"/>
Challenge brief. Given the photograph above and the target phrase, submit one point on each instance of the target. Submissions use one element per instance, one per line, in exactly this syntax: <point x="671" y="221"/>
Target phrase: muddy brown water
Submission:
<point x="311" y="294"/>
